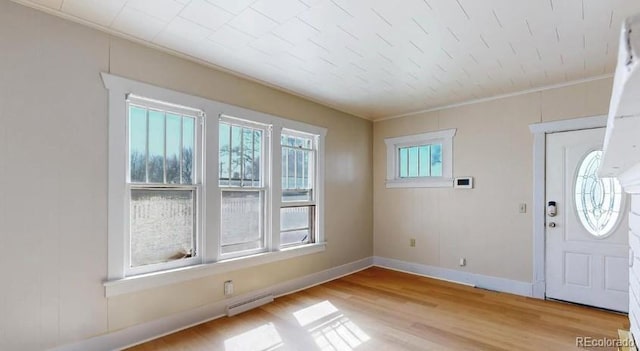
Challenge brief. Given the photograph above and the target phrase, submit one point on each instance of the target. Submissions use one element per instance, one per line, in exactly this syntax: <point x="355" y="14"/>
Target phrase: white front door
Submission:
<point x="586" y="240"/>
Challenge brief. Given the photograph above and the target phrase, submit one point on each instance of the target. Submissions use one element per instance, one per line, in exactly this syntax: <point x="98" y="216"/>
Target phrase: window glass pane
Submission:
<point x="420" y="161"/>
<point x="300" y="169"/>
<point x="436" y="160"/>
<point x="297" y="195"/>
<point x="404" y="158"/>
<point x="240" y="156"/>
<point x="297" y="168"/>
<point x="236" y="157"/>
<point x="295" y="237"/>
<point x="247" y="156"/>
<point x="306" y="184"/>
<point x="413" y="161"/>
<point x="156" y="146"/>
<point x="174" y="132"/>
<point x="597" y="200"/>
<point x="291" y="170"/>
<point x="188" y="149"/>
<point x="294" y="218"/>
<point x="225" y="149"/>
<point x="285" y="167"/>
<point x="242" y="222"/>
<point x="162" y="226"/>
<point x="257" y="157"/>
<point x="138" y="144"/>
<point x="424" y="156"/>
<point x="295" y="225"/>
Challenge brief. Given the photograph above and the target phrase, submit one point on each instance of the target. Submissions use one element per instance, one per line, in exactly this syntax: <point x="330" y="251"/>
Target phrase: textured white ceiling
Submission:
<point x="378" y="58"/>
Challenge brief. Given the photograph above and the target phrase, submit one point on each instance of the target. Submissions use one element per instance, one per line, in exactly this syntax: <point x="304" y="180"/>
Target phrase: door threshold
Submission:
<point x="588" y="306"/>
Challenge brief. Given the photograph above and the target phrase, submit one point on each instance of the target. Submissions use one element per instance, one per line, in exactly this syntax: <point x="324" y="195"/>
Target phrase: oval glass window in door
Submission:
<point x="598" y="200"/>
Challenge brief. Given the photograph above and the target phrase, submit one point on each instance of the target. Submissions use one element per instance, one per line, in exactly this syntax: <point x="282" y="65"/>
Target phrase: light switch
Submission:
<point x="523" y="208"/>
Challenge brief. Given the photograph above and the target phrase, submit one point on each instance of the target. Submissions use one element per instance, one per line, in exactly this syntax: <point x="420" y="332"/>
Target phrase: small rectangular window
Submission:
<point x="421" y="160"/>
<point x="163" y="194"/>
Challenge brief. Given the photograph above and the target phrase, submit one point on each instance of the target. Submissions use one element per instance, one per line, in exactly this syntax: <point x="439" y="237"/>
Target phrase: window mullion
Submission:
<point x="430" y="173"/>
<point x="242" y="157"/>
<point x="146" y="154"/>
<point x="295" y="169"/>
<point x="181" y="153"/>
<point x="164" y="151"/>
<point x="230" y="150"/>
<point x="253" y="155"/>
<point x="276" y="186"/>
<point x="419" y="148"/>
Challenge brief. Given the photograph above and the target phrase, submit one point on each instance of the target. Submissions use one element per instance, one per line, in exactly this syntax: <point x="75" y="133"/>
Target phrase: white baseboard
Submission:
<point x="460" y="277"/>
<point x="151" y="330"/>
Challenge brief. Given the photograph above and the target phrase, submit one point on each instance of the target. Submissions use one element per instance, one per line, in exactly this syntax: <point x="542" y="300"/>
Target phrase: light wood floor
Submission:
<point x="378" y="309"/>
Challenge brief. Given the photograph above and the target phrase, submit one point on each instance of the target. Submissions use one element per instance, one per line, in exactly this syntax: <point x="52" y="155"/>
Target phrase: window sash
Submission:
<point x="195" y="152"/>
<point x="195" y="185"/>
<point x="310" y="171"/>
<point x="263" y="221"/>
<point x="196" y="259"/>
<point x="242" y="124"/>
<point x="310" y="227"/>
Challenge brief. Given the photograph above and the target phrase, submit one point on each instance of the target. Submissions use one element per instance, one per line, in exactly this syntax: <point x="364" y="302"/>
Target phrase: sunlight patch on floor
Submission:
<point x="314" y="313"/>
<point x="262" y="338"/>
<point x="331" y="329"/>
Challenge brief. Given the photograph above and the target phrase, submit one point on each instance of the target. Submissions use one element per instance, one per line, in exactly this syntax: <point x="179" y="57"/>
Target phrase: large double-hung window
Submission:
<point x="194" y="182"/>
<point x="243" y="187"/>
<point x="298" y="207"/>
<point x="163" y="185"/>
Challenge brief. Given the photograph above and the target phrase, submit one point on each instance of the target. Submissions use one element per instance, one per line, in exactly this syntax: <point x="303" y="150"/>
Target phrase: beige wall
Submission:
<point x="53" y="180"/>
<point x="493" y="144"/>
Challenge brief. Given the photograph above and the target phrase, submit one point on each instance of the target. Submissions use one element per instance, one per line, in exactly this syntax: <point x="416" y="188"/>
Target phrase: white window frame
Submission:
<point x="312" y="203"/>
<point x="196" y="186"/>
<point x="442" y="137"/>
<point x="265" y="170"/>
<point x="211" y="261"/>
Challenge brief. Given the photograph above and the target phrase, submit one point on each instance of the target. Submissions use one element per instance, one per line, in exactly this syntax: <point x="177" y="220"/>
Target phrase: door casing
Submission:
<point x="540" y="131"/>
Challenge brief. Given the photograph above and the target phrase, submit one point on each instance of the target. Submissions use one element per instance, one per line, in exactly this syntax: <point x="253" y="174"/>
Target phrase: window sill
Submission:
<point x="420" y="183"/>
<point x="158" y="279"/>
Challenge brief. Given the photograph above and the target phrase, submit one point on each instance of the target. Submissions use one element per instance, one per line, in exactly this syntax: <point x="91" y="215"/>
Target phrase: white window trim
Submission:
<point x="444" y="137"/>
<point x="117" y="283"/>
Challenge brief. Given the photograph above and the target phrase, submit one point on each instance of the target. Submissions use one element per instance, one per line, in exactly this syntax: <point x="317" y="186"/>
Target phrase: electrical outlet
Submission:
<point x="228" y="288"/>
<point x="523" y="208"/>
<point x="463" y="262"/>
<point x="412" y="242"/>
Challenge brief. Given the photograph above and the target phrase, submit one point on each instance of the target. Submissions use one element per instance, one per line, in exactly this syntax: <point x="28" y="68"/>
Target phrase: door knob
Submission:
<point x="552" y="224"/>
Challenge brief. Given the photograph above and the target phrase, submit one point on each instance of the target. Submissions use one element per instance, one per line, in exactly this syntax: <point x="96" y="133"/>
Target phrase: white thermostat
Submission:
<point x="463" y="183"/>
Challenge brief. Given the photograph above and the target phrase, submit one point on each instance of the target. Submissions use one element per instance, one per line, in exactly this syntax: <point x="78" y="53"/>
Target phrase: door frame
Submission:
<point x="540" y="131"/>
